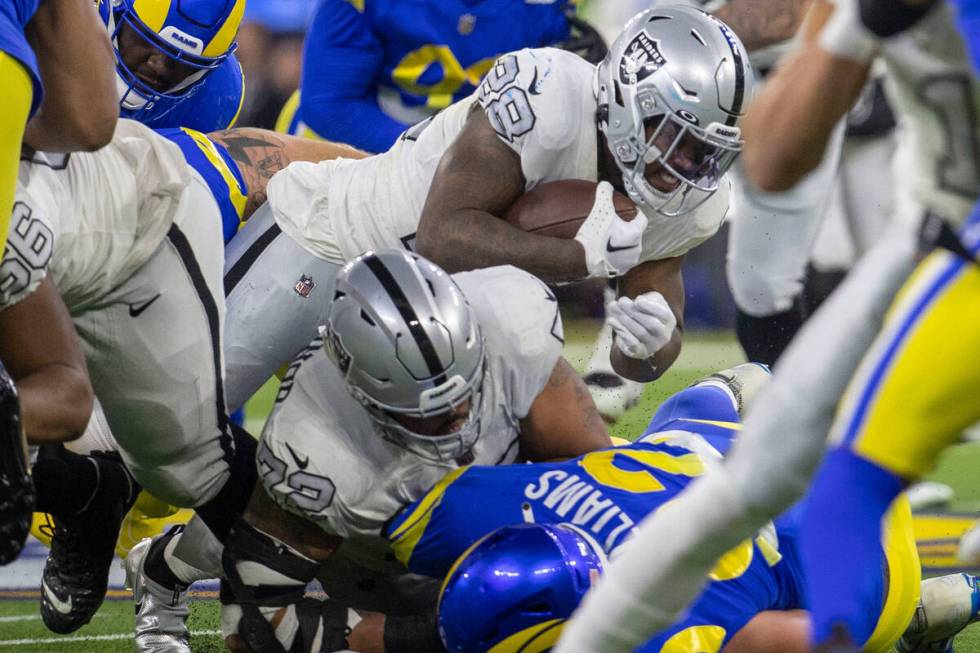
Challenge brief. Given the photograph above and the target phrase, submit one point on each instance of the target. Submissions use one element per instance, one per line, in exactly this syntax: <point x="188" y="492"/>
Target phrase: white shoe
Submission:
<point x="613" y="395"/>
<point x="947" y="605"/>
<point x="744" y="382"/>
<point x="161" y="613"/>
<point x="929" y="494"/>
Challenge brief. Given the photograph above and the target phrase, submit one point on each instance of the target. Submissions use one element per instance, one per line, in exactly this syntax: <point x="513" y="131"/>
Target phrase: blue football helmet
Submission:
<point x="198" y="34"/>
<point x="516" y="586"/>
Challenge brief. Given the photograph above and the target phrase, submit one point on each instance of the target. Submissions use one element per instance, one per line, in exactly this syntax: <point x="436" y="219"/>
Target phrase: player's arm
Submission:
<point x="790" y="122"/>
<point x="563" y="421"/>
<point x="477" y="179"/>
<point x="40" y="349"/>
<point x="80" y="105"/>
<point x="260" y="153"/>
<point x="269" y="557"/>
<point x="342" y="62"/>
<point x="773" y="632"/>
<point x="761" y="23"/>
<point x="648" y="319"/>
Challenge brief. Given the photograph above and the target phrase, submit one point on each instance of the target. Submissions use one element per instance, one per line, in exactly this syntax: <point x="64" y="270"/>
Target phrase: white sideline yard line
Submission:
<point x="85" y="638"/>
<point x="33" y="617"/>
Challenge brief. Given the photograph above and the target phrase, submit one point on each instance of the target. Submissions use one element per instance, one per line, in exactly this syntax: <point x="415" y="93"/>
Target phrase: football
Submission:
<point x="558" y="208"/>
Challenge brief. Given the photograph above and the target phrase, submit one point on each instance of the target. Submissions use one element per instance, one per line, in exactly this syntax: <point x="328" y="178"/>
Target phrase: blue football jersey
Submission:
<point x="606" y="493"/>
<point x="14" y="15"/>
<point x="373" y="67"/>
<point x="212" y="106"/>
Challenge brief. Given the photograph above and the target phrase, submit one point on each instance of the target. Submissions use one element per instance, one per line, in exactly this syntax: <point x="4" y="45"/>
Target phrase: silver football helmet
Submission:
<point x="670" y="93"/>
<point x="408" y="344"/>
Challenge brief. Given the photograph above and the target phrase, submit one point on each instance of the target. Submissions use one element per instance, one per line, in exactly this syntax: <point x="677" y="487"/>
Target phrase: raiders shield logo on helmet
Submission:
<point x="641" y="58"/>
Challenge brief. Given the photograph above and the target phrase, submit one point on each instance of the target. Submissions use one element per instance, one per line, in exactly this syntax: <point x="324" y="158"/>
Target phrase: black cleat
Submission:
<point x="16" y="489"/>
<point x="76" y="573"/>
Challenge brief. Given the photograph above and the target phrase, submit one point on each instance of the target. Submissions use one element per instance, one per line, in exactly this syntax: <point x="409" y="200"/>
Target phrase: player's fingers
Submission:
<point x="653" y="303"/>
<point x="625" y="340"/>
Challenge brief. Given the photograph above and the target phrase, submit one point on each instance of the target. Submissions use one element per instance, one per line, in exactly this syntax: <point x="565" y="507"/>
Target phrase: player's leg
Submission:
<point x="158" y="371"/>
<point x="913" y="396"/>
<point x="781" y="444"/>
<point x="769" y="245"/>
<point x="277" y="293"/>
<point x="16" y="497"/>
<point x="85" y="493"/>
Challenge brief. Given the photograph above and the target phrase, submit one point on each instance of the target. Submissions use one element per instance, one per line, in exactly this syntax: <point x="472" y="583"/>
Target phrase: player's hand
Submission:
<point x="642" y="325"/>
<point x="612" y="245"/>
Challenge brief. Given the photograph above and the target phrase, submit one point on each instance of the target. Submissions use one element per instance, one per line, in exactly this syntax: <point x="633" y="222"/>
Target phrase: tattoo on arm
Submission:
<point x="259" y="154"/>
<point x="761" y="23"/>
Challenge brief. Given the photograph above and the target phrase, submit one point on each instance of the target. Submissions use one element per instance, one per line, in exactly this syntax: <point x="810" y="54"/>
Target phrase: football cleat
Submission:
<point x="744" y="382"/>
<point x="76" y="572"/>
<point x="161" y="613"/>
<point x="947" y="605"/>
<point x="613" y="395"/>
<point x="16" y="489"/>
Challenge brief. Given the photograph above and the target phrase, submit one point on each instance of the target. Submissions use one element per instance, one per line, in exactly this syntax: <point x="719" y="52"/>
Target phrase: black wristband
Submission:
<point x="413" y="634"/>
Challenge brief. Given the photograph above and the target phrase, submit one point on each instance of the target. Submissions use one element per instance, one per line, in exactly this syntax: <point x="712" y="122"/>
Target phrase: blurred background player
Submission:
<point x="61" y="44"/>
<point x="175" y="61"/>
<point x="373" y="68"/>
<point x="783" y="441"/>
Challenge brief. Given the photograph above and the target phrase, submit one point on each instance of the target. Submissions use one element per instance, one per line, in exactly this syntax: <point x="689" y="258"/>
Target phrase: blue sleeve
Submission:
<point x="556" y="30"/>
<point x="431" y="533"/>
<point x="703" y="409"/>
<point x="843" y="513"/>
<point x="338" y="93"/>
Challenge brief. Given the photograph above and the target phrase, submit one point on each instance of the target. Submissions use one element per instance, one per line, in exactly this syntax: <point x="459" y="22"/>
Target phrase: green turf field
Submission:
<point x="110" y="631"/>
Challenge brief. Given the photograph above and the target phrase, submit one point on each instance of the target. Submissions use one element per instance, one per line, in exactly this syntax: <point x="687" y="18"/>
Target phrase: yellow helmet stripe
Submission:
<point x="153" y="13"/>
<point x="226" y="35"/>
<point x="536" y="639"/>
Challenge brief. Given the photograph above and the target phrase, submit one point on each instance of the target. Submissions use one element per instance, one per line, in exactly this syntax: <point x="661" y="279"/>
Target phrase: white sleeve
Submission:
<point x="520" y="320"/>
<point x="528" y="96"/>
<point x="30" y="243"/>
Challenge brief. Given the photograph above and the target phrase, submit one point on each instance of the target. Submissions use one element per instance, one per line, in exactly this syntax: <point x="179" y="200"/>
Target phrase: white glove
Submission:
<point x="642" y="325"/>
<point x="612" y="245"/>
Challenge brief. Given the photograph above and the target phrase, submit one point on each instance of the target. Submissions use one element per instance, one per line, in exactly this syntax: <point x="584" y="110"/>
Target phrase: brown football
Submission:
<point x="558" y="208"/>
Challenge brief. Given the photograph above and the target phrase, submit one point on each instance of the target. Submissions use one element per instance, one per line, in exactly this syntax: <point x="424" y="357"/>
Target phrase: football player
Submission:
<point x="417" y="373"/>
<point x="373" y="68"/>
<point x="536" y="117"/>
<point x="175" y="61"/>
<point x="59" y="43"/>
<point x="590" y="505"/>
<point x="95" y="263"/>
<point x="889" y="427"/>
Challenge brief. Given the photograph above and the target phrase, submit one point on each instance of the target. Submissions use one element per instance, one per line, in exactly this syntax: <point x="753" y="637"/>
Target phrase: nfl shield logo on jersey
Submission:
<point x="304" y="286"/>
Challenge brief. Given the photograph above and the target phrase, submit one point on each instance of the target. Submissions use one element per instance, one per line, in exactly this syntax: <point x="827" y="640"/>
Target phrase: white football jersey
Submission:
<point x="937" y="100"/>
<point x="323" y="458"/>
<point x="90" y="219"/>
<point x="541" y="102"/>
